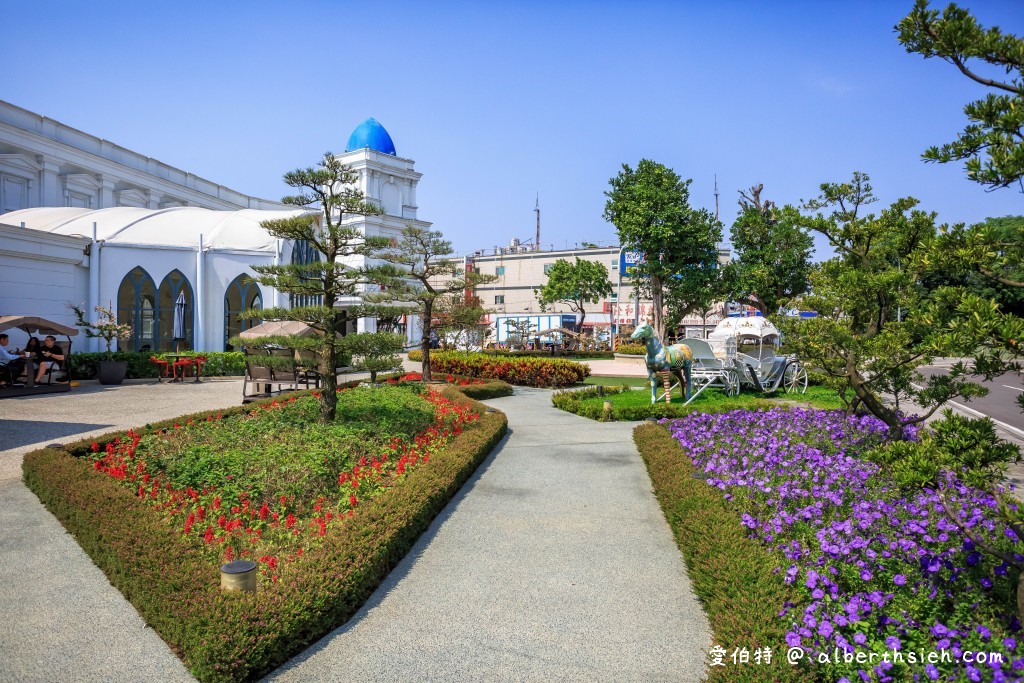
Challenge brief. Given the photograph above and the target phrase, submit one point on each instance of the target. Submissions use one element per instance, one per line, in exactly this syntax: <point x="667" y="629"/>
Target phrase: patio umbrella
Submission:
<point x="35" y="325"/>
<point x="180" y="307"/>
<point x="278" y="328"/>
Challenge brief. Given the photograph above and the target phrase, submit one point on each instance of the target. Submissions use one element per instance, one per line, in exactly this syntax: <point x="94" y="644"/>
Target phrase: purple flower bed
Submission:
<point x="881" y="570"/>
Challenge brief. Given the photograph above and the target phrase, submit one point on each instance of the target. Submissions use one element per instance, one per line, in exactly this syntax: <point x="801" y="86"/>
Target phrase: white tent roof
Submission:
<point x="178" y="226"/>
<point x="752" y="326"/>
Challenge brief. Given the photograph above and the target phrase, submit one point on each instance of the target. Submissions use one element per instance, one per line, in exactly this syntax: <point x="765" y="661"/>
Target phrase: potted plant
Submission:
<point x="107" y="328"/>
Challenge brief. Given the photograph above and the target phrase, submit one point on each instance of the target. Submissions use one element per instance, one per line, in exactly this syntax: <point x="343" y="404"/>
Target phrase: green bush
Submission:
<point x="174" y="586"/>
<point x="531" y="372"/>
<point x="489" y="389"/>
<point x="735" y="579"/>
<point x="218" y="363"/>
<point x="631" y="349"/>
<point x="416" y="355"/>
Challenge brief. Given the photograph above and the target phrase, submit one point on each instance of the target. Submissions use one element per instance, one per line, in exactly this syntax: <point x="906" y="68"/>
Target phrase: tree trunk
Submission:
<point x="877" y="408"/>
<point x="328" y="357"/>
<point x="428" y="312"/>
<point x="658" y="302"/>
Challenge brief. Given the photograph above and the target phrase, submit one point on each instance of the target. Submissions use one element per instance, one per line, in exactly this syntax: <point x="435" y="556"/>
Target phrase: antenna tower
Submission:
<point x="537" y="210"/>
<point x="716" y="196"/>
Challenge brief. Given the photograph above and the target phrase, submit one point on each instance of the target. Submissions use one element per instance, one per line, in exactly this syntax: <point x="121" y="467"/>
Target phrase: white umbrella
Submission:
<point x="180" y="307"/>
<point x="278" y="328"/>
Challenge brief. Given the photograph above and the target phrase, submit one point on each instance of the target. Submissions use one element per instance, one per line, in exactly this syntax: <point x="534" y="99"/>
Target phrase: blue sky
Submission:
<point x="499" y="101"/>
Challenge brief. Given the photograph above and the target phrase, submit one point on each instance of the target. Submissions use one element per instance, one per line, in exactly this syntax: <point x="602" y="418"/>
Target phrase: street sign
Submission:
<point x="628" y="261"/>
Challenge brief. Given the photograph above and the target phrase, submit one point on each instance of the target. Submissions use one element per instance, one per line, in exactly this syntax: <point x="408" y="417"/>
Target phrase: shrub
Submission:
<point x="416" y="355"/>
<point x="533" y="372"/>
<point x="734" y="578"/>
<point x="218" y="363"/>
<point x="174" y="586"/>
<point x="631" y="349"/>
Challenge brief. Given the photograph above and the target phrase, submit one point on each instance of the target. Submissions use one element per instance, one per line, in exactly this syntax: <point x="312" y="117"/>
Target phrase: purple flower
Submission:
<point x="860" y="638"/>
<point x="893" y="643"/>
<point x="931" y="672"/>
<point x="899" y="580"/>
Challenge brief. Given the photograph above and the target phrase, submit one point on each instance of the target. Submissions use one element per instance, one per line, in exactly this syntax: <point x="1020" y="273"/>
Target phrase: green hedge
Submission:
<point x="416" y="355"/>
<point x="236" y="637"/>
<point x="631" y="349"/>
<point x="531" y="372"/>
<point x="574" y="401"/>
<point x="489" y="389"/>
<point x="218" y="364"/>
<point x="733" y="577"/>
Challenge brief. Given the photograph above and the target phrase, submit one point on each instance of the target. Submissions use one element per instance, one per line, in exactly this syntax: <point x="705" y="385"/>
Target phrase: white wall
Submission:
<point x="40" y="274"/>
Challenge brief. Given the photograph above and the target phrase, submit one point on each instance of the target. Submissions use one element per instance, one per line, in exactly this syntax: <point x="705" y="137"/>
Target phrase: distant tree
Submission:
<point x="329" y="188"/>
<point x="460" y="317"/>
<point x="519" y="332"/>
<point x="650" y="209"/>
<point x="575" y="285"/>
<point x="992" y="144"/>
<point x="772" y="254"/>
<point x="375" y="352"/>
<point x="874" y="326"/>
<point x="417" y="271"/>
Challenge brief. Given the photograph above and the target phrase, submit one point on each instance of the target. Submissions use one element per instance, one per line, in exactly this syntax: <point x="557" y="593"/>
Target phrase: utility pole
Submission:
<point x="537" y="210"/>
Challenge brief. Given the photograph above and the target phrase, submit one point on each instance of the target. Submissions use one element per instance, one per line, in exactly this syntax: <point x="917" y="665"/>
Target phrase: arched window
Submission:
<point x="172" y="285"/>
<point x="304" y="253"/>
<point x="136" y="299"/>
<point x="242" y="294"/>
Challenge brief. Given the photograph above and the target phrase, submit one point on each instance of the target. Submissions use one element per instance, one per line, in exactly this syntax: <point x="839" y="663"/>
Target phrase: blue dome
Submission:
<point x="371" y="134"/>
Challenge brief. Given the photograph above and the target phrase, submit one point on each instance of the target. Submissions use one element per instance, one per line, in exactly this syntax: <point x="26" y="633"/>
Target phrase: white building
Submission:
<point x="521" y="271"/>
<point x="87" y="222"/>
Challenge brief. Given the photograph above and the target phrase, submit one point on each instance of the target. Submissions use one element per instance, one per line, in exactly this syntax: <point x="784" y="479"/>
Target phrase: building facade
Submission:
<point x="45" y="163"/>
<point x="84" y="221"/>
<point x="521" y="271"/>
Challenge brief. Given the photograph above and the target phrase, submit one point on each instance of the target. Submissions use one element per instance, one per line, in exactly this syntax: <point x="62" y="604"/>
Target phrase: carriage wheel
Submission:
<point x="795" y="379"/>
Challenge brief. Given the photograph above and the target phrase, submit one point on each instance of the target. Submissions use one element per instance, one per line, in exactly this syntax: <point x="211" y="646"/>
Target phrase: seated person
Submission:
<point x="12" y="361"/>
<point x="50" y="355"/>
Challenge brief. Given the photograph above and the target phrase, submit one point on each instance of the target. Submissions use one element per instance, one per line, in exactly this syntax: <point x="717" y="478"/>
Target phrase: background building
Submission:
<point x="85" y="221"/>
<point x="521" y="270"/>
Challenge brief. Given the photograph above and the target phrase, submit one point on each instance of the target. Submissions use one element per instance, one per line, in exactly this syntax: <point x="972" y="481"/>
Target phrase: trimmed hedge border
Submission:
<point x="490" y="389"/>
<point x="416" y="355"/>
<point x="571" y="401"/>
<point x="733" y="577"/>
<point x="236" y="637"/>
<point x="525" y="371"/>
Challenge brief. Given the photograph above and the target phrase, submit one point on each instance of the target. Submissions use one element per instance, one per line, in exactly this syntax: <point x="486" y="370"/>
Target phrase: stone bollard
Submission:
<point x="239" y="575"/>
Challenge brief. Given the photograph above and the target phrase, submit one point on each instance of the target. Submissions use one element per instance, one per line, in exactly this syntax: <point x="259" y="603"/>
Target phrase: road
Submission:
<point x="1001" y="402"/>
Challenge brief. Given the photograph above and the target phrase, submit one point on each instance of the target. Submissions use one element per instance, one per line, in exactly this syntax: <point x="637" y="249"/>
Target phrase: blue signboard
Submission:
<point x="628" y="261"/>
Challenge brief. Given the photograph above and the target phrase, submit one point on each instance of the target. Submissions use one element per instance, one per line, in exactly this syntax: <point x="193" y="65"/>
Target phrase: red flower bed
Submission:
<point x="526" y="371"/>
<point x="277" y="535"/>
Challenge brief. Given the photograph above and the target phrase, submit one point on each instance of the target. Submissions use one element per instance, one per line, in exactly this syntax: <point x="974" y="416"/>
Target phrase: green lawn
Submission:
<point x="616" y="381"/>
<point x="636" y="404"/>
<point x="819" y="397"/>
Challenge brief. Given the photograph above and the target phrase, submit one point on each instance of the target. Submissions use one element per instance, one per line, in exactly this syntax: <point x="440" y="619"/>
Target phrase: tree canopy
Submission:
<point x="992" y="143"/>
<point x="650" y="209"/>
<point x="418" y="269"/>
<point x="575" y="284"/>
<point x="771" y="254"/>
<point x="323" y="281"/>
<point x="874" y="327"/>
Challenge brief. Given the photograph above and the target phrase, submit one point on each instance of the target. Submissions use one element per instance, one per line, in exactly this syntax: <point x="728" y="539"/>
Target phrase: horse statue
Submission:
<point x="665" y="360"/>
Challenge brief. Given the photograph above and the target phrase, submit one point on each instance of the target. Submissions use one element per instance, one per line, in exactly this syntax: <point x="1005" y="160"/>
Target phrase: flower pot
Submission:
<point x="111" y="371"/>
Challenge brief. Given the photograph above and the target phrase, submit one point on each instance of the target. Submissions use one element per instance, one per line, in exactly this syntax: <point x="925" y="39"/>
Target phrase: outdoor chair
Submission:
<point x="181" y="364"/>
<point x="265" y="377"/>
<point x="64" y="370"/>
<point x="199" y="362"/>
<point x="163" y="369"/>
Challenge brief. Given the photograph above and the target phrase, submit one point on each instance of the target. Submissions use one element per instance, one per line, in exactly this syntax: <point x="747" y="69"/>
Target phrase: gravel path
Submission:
<point x="553" y="563"/>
